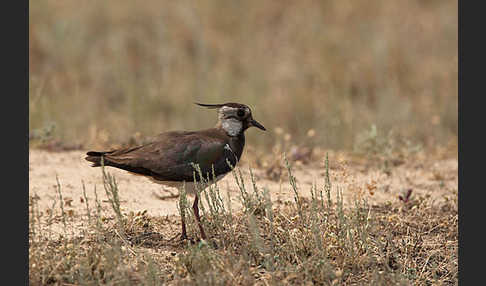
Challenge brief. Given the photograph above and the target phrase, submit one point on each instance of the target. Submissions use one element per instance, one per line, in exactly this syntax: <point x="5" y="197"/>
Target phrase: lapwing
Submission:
<point x="172" y="158"/>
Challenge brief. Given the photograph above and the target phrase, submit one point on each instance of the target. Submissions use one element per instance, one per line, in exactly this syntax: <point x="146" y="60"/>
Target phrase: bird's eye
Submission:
<point x="240" y="113"/>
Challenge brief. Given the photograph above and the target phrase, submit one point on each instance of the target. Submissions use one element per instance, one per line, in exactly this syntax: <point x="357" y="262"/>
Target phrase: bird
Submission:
<point x="174" y="158"/>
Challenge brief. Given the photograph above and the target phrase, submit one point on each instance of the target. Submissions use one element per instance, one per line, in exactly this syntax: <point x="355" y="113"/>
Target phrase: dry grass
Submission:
<point x="102" y="71"/>
<point x="312" y="240"/>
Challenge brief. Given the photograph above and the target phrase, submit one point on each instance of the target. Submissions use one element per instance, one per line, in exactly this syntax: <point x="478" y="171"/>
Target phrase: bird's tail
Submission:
<point x="95" y="158"/>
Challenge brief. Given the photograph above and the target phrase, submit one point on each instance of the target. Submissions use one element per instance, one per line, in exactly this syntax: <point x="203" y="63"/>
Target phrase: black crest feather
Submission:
<point x="210" y="106"/>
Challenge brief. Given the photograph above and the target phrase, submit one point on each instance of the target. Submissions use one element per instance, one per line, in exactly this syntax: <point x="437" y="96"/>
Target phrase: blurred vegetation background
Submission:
<point x="102" y="72"/>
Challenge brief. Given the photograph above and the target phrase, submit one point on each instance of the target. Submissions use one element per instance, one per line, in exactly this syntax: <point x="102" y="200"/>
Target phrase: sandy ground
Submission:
<point x="436" y="179"/>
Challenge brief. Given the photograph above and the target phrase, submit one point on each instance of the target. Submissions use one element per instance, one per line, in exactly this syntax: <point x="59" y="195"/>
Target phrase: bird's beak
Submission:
<point x="255" y="123"/>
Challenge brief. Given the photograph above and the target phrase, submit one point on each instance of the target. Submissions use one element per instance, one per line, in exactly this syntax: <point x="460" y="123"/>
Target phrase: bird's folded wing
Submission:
<point x="172" y="160"/>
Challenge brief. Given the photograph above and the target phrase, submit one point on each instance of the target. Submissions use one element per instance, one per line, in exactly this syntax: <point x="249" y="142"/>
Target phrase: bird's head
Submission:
<point x="234" y="118"/>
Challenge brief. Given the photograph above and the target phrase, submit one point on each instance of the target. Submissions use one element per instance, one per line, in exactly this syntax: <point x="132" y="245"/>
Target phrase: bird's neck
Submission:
<point x="237" y="143"/>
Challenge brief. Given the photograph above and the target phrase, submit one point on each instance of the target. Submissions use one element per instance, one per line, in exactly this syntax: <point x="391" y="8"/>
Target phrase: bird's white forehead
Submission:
<point x="227" y="108"/>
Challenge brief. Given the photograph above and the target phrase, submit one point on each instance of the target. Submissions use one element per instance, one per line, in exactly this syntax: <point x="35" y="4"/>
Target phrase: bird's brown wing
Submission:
<point x="170" y="157"/>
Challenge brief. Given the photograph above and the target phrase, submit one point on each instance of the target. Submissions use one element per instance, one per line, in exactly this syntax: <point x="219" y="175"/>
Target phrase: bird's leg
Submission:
<point x="196" y="214"/>
<point x="183" y="221"/>
<point x="184" y="233"/>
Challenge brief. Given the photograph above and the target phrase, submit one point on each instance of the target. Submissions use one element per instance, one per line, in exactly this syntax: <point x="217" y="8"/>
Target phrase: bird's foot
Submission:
<point x="182" y="238"/>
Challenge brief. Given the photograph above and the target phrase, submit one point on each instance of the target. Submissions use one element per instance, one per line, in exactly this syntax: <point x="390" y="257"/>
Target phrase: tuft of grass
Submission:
<point x="385" y="150"/>
<point x="111" y="189"/>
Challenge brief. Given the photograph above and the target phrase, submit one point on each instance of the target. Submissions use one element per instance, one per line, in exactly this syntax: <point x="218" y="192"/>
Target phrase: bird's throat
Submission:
<point x="232" y="126"/>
